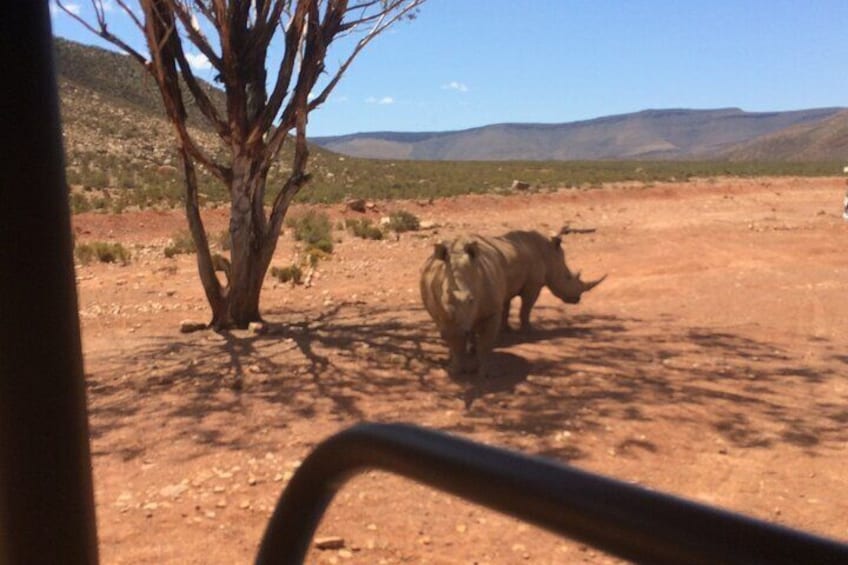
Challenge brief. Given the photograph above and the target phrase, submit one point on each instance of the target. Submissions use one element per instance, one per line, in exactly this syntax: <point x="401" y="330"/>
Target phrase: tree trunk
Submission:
<point x="250" y="259"/>
<point x="253" y="246"/>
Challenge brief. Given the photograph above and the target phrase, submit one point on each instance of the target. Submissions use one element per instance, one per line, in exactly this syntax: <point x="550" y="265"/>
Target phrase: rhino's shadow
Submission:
<point x="506" y="371"/>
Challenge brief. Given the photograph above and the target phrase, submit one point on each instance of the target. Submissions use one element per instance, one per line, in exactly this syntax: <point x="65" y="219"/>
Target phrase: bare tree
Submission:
<point x="255" y="123"/>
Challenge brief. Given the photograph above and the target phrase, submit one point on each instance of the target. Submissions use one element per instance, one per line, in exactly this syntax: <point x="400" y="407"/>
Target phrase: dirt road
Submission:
<point x="711" y="363"/>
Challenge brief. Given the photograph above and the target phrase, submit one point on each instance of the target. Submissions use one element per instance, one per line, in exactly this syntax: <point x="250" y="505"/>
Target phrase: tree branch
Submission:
<point x="381" y="25"/>
<point x="165" y="49"/>
<point x="197" y="38"/>
<point x="293" y="38"/>
<point x="205" y="263"/>
<point x="102" y="31"/>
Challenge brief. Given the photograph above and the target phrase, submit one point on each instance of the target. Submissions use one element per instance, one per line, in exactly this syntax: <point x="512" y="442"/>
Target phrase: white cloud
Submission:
<point x="455" y="85"/>
<point x="70" y="6"/>
<point x="198" y="61"/>
<point x="383" y="101"/>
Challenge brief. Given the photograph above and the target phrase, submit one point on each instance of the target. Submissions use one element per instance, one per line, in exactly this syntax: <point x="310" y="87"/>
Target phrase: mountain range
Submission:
<point x="726" y="134"/>
<point x="110" y="108"/>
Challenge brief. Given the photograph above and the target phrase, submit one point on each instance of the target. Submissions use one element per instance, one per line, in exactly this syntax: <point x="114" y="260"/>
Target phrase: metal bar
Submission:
<point x="46" y="501"/>
<point x="623" y="519"/>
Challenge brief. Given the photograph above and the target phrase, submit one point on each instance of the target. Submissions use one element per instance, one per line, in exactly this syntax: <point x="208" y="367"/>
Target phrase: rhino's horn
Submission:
<point x="587" y="286"/>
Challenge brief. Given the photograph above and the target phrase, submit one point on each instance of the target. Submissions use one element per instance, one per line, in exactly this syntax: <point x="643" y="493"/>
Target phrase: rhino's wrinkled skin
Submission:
<point x="467" y="286"/>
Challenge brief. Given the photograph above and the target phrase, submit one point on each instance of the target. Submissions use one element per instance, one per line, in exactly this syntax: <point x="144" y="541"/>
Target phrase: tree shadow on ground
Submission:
<point x="357" y="361"/>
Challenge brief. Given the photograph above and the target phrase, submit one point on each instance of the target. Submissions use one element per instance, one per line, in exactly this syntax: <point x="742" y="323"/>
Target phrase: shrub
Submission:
<point x="402" y="221"/>
<point x="314" y="255"/>
<point x="325" y="246"/>
<point x="293" y="273"/>
<point x="224" y="241"/>
<point x="99" y="203"/>
<point x="364" y="228"/>
<point x="181" y="243"/>
<point x="314" y="229"/>
<point x="103" y="252"/>
<point x="79" y="203"/>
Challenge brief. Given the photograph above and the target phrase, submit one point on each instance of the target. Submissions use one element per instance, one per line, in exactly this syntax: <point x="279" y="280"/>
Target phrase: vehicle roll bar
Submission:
<point x="620" y="518"/>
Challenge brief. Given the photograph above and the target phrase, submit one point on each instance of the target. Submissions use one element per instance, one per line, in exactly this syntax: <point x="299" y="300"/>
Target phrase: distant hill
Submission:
<point x="112" y="117"/>
<point x="823" y="140"/>
<point x="650" y="134"/>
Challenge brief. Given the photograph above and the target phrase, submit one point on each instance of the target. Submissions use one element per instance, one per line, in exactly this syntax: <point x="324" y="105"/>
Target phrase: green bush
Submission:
<point x="314" y="229"/>
<point x="293" y="273"/>
<point x="364" y="228"/>
<point x="402" y="221"/>
<point x="103" y="252"/>
<point x="181" y="243"/>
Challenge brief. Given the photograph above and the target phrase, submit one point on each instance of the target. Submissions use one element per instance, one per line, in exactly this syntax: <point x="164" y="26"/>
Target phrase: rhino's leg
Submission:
<point x="487" y="334"/>
<point x="505" y="316"/>
<point x="457" y="345"/>
<point x="529" y="296"/>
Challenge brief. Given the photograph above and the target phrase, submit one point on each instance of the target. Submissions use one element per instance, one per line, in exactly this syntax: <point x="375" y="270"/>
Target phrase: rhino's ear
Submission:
<point x="557" y="241"/>
<point x="472" y="249"/>
<point x="440" y="251"/>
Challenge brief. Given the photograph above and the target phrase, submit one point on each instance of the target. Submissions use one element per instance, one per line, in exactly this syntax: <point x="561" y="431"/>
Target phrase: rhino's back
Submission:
<point x="529" y="255"/>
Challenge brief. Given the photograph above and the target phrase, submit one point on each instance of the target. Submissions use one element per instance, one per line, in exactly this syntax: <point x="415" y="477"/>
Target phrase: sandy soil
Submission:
<point x="710" y="364"/>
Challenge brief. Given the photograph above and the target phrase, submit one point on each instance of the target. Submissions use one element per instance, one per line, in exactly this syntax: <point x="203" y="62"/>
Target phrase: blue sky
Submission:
<point x="468" y="63"/>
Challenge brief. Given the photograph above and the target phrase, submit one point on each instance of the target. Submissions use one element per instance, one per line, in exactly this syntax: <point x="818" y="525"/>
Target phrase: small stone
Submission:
<point x="188" y="326"/>
<point x="173" y="491"/>
<point x="257" y="327"/>
<point x="355" y="204"/>
<point x="329" y="542"/>
<point x="461" y="528"/>
<point x="244" y="505"/>
<point x="345" y="553"/>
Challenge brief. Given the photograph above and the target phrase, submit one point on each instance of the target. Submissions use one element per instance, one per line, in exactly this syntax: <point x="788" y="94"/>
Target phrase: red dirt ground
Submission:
<point x="709" y="364"/>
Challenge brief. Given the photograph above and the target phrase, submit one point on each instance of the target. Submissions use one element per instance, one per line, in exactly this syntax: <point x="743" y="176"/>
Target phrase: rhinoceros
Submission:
<point x="463" y="287"/>
<point x="534" y="261"/>
<point x="467" y="286"/>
